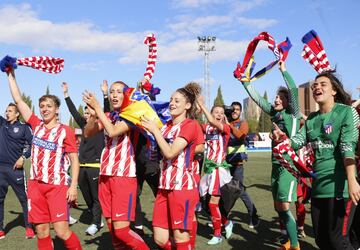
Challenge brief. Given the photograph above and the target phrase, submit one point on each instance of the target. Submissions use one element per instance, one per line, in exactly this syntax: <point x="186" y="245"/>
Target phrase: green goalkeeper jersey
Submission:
<point x="333" y="136"/>
<point x="288" y="120"/>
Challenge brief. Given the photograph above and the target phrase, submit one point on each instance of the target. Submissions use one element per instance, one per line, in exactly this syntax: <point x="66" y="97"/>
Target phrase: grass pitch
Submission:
<point x="264" y="237"/>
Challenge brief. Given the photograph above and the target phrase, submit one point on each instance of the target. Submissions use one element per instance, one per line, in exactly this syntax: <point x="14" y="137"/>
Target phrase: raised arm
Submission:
<point x="293" y="91"/>
<point x="111" y="129"/>
<point x="105" y="91"/>
<point x="258" y="99"/>
<point x="80" y="120"/>
<point x="213" y="122"/>
<point x="23" y="108"/>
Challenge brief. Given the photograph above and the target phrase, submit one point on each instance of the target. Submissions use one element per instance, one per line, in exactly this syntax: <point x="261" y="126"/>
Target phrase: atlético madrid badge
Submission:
<point x="328" y="128"/>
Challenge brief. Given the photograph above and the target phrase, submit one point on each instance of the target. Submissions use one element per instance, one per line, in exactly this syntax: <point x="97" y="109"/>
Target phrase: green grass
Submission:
<point x="257" y="177"/>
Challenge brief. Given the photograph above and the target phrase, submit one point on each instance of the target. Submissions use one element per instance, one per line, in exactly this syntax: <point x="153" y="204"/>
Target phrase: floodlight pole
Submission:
<point x="206" y="44"/>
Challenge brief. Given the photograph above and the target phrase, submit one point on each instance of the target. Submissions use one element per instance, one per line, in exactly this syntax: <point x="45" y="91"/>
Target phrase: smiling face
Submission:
<point x="322" y="90"/>
<point x="178" y="105"/>
<point x="218" y="113"/>
<point x="48" y="110"/>
<point x="116" y="95"/>
<point x="12" y="114"/>
<point x="236" y="113"/>
<point x="280" y="102"/>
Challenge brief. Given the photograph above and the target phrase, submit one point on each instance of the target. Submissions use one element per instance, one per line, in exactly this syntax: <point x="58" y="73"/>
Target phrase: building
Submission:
<point x="306" y="101"/>
<point x="251" y="109"/>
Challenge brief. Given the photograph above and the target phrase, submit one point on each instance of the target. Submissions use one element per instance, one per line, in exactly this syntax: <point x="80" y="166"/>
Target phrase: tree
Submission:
<point x="253" y="125"/>
<point x="264" y="124"/>
<point x="219" y="101"/>
<point x="47" y="90"/>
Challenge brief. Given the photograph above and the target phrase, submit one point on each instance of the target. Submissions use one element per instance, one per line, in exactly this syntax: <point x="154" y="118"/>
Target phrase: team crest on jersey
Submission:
<point x="328" y="128"/>
<point x="16" y="129"/>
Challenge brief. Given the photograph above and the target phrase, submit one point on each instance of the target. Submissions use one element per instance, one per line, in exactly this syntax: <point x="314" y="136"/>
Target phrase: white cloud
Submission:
<point x="243" y="6"/>
<point x="194" y="3"/>
<point x="20" y="25"/>
<point x="258" y="23"/>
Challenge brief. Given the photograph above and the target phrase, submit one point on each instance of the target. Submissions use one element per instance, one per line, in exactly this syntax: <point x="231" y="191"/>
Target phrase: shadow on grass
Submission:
<point x="17" y="221"/>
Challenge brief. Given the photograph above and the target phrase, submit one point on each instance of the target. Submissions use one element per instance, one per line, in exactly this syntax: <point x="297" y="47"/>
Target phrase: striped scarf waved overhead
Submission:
<point x="314" y="53"/>
<point x="47" y="64"/>
<point x="244" y="72"/>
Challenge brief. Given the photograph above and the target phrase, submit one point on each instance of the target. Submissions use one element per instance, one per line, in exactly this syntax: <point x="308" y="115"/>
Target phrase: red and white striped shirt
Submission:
<point x="199" y="140"/>
<point x="49" y="148"/>
<point x="216" y="142"/>
<point x="176" y="174"/>
<point x="117" y="157"/>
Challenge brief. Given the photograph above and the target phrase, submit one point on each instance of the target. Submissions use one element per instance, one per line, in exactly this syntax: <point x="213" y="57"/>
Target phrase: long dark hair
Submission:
<point x="190" y="92"/>
<point x="341" y="95"/>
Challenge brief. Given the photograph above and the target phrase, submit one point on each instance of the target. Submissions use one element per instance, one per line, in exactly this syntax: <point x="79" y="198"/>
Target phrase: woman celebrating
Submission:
<point x="332" y="132"/>
<point x="285" y="113"/>
<point x="217" y="134"/>
<point x="117" y="180"/>
<point x="175" y="202"/>
<point x="48" y="190"/>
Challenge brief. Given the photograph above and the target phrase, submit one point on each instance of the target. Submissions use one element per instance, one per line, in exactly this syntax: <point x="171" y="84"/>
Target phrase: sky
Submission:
<point x="103" y="40"/>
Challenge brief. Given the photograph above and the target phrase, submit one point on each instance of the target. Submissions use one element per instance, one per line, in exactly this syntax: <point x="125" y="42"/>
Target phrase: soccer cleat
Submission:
<point x="92" y="230"/>
<point x="215" y="240"/>
<point x="301" y="233"/>
<point x="72" y="220"/>
<point x="228" y="229"/>
<point x="285" y="246"/>
<point x="29" y="233"/>
<point x="254" y="222"/>
<point x="2" y="234"/>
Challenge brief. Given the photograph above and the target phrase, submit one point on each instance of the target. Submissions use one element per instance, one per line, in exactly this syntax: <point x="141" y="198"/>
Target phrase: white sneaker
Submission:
<point x="102" y="224"/>
<point x="228" y="229"/>
<point x="92" y="230"/>
<point x="215" y="240"/>
<point x="72" y="220"/>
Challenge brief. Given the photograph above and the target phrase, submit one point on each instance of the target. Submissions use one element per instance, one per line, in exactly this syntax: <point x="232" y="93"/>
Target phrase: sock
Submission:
<point x="290" y="226"/>
<point x="215" y="218"/>
<point x="166" y="246"/>
<point x="224" y="220"/>
<point x="45" y="243"/>
<point x="300" y="214"/>
<point x="117" y="244"/>
<point x="130" y="238"/>
<point x="193" y="234"/>
<point x="73" y="243"/>
<point x="183" y="245"/>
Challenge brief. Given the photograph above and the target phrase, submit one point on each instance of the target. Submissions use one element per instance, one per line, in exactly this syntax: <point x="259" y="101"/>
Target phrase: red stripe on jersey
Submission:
<point x="117" y="158"/>
<point x="216" y="143"/>
<point x="176" y="173"/>
<point x="48" y="149"/>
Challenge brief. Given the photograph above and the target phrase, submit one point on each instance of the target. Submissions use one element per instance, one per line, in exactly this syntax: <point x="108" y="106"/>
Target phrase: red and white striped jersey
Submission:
<point x="49" y="149"/>
<point x="176" y="174"/>
<point x="198" y="141"/>
<point x="216" y="142"/>
<point x="117" y="157"/>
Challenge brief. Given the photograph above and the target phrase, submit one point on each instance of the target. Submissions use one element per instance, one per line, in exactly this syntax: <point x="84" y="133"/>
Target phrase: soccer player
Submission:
<point x="174" y="207"/>
<point x="217" y="134"/>
<point x="48" y="191"/>
<point x="89" y="155"/>
<point x="285" y="113"/>
<point x="333" y="134"/>
<point x="117" y="180"/>
<point x="237" y="156"/>
<point x="15" y="141"/>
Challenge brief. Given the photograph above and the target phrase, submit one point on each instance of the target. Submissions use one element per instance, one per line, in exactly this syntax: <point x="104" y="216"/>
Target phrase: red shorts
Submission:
<point x="47" y="202"/>
<point x="117" y="196"/>
<point x="175" y="209"/>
